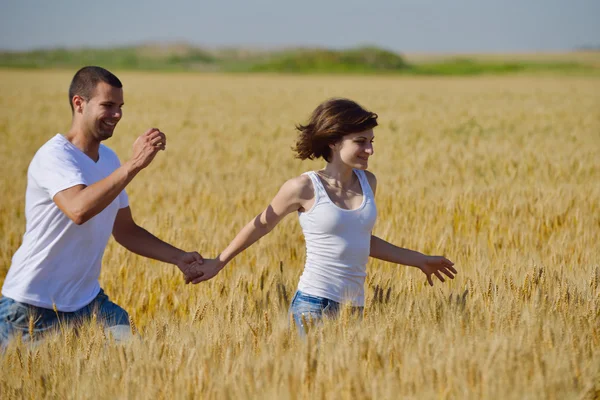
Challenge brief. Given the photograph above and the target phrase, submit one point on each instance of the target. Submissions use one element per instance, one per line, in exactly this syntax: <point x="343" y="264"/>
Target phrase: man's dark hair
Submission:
<point x="85" y="81"/>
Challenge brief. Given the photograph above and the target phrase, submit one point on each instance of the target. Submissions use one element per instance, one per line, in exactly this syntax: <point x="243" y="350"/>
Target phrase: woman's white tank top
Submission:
<point x="338" y="244"/>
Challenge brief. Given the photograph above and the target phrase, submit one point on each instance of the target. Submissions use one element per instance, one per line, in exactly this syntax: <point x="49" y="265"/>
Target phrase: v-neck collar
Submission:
<point x="68" y="142"/>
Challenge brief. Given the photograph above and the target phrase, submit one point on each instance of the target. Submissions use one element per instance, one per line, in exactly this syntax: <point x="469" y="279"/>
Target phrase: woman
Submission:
<point x="336" y="207"/>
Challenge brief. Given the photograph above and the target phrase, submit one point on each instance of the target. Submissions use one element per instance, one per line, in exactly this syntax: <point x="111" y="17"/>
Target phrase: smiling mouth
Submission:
<point x="110" y="124"/>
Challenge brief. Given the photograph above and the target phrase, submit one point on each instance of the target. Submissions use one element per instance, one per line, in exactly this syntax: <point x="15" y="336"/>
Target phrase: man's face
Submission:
<point x="102" y="111"/>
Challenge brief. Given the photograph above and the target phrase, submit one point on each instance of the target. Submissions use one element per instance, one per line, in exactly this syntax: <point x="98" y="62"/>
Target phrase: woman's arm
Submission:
<point x="429" y="265"/>
<point x="293" y="195"/>
<point x="386" y="251"/>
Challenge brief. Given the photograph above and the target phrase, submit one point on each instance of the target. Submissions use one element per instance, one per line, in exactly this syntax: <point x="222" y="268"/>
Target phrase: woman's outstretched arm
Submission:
<point x="292" y="196"/>
<point x="429" y="265"/>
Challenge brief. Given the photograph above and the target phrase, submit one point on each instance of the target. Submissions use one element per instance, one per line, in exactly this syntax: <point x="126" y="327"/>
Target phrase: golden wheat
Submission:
<point x="500" y="174"/>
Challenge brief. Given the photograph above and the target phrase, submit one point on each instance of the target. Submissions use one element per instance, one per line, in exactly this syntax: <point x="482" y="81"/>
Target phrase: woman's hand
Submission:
<point x="437" y="265"/>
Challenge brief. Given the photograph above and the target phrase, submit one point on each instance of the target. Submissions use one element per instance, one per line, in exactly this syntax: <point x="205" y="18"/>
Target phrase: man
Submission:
<point x="75" y="199"/>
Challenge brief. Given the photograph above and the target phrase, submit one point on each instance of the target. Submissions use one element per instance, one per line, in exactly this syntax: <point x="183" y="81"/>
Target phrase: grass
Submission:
<point x="497" y="173"/>
<point x="360" y="60"/>
<point x="131" y="58"/>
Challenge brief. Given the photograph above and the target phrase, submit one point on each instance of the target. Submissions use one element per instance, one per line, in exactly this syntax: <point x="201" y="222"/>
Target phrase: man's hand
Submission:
<point x="146" y="147"/>
<point x="433" y="265"/>
<point x="189" y="264"/>
<point x="208" y="270"/>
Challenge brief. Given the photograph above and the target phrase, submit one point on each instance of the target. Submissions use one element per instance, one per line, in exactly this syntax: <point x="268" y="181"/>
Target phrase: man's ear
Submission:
<point x="78" y="103"/>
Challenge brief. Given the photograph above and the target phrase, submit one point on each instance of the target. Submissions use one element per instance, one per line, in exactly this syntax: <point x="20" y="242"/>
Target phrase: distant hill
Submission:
<point x="147" y="57"/>
<point x="360" y="60"/>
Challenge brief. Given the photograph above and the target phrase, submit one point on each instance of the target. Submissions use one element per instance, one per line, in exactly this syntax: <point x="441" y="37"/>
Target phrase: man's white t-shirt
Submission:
<point x="59" y="261"/>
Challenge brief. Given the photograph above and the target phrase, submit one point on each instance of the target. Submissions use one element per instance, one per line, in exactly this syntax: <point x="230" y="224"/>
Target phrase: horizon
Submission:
<point x="165" y="44"/>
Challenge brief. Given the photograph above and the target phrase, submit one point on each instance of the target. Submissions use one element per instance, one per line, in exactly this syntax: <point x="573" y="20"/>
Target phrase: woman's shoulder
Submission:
<point x="299" y="190"/>
<point x="301" y="185"/>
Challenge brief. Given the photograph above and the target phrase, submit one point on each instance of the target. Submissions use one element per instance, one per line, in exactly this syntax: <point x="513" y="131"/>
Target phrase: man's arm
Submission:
<point x="81" y="203"/>
<point x="139" y="241"/>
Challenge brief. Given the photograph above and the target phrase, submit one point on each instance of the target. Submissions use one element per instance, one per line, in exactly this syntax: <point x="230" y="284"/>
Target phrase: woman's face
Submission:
<point x="354" y="149"/>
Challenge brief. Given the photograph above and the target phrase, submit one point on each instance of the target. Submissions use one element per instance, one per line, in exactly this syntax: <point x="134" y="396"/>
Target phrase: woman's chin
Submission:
<point x="362" y="165"/>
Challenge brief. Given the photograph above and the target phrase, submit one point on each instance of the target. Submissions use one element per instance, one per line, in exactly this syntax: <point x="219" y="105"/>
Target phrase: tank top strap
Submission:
<point x="364" y="182"/>
<point x="317" y="185"/>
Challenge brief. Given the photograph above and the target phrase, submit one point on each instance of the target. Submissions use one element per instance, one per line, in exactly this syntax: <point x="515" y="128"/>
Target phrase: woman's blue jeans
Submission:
<point x="306" y="308"/>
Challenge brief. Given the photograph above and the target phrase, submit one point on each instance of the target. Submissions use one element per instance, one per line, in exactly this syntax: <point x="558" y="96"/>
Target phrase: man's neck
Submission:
<point x="84" y="142"/>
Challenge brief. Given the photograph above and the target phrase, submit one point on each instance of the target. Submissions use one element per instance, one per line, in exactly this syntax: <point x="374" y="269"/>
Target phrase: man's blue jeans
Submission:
<point x="15" y="317"/>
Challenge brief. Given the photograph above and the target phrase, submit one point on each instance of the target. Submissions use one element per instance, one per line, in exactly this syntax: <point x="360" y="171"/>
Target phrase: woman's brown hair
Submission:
<point x="329" y="122"/>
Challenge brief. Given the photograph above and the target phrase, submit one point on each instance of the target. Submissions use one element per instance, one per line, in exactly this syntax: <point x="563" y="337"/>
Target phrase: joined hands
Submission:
<point x="208" y="270"/>
<point x="190" y="263"/>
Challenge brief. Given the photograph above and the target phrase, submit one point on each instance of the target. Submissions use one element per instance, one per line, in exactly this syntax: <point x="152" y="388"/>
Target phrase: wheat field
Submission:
<point x="500" y="174"/>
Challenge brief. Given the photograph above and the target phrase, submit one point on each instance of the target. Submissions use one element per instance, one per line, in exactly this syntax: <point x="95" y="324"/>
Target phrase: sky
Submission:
<point x="428" y="26"/>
